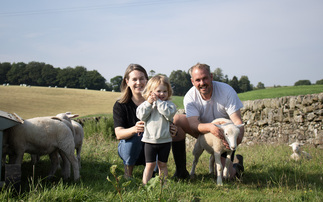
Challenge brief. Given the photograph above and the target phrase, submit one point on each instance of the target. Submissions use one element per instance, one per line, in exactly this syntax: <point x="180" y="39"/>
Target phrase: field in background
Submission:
<point x="42" y="101"/>
<point x="281" y="92"/>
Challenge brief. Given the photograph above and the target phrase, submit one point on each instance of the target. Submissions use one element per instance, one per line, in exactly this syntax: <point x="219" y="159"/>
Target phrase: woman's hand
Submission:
<point x="139" y="127"/>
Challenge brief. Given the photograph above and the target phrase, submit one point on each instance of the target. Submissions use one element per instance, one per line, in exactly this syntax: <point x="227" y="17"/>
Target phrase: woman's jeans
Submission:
<point x="131" y="151"/>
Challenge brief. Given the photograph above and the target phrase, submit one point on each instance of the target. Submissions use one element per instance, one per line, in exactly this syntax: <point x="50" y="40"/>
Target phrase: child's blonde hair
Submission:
<point x="154" y="82"/>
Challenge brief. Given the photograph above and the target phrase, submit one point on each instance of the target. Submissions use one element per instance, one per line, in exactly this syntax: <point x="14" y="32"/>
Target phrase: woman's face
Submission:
<point x="137" y="81"/>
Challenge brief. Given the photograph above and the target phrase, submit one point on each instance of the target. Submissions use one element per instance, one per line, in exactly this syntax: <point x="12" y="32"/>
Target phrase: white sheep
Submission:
<point x="298" y="154"/>
<point x="79" y="133"/>
<point x="43" y="136"/>
<point x="215" y="147"/>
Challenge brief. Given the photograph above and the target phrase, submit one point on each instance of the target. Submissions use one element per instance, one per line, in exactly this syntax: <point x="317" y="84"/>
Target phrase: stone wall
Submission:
<point x="284" y="120"/>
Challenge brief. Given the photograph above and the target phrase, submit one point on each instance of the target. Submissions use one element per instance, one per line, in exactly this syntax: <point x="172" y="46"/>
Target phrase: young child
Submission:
<point x="157" y="112"/>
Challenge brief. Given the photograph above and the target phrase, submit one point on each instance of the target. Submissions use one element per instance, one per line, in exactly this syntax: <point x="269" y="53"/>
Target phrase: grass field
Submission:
<point x="41" y="101"/>
<point x="269" y="174"/>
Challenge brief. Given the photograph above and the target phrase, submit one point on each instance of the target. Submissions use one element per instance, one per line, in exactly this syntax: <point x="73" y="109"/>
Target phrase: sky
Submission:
<point x="276" y="42"/>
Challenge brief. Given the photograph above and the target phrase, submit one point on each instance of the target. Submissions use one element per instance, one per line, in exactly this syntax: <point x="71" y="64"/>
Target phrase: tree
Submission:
<point x="94" y="80"/>
<point x="33" y="71"/>
<point x="218" y="75"/>
<point x="151" y="73"/>
<point x="319" y="82"/>
<point x="4" y="69"/>
<point x="234" y="83"/>
<point x="49" y="75"/>
<point x="180" y="82"/>
<point x="260" y="85"/>
<point x="16" y="74"/>
<point x="116" y="83"/>
<point x="244" y="84"/>
<point x="302" y="82"/>
<point x="68" y="77"/>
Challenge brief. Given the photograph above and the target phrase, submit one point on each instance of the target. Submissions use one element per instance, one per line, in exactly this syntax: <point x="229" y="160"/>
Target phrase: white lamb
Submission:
<point x="298" y="154"/>
<point x="43" y="136"/>
<point x="79" y="133"/>
<point x="215" y="147"/>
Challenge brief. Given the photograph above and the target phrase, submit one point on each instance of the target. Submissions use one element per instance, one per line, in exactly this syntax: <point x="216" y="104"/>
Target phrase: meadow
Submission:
<point x="269" y="174"/>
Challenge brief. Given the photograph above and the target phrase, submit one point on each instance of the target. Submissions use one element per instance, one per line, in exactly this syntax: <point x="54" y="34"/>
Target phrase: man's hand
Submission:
<point x="217" y="132"/>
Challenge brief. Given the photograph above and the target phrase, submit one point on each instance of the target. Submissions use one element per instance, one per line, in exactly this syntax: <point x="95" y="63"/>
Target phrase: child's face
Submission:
<point x="161" y="92"/>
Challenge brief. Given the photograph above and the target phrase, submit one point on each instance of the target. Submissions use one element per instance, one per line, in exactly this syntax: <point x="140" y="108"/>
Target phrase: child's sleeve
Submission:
<point x="143" y="111"/>
<point x="167" y="109"/>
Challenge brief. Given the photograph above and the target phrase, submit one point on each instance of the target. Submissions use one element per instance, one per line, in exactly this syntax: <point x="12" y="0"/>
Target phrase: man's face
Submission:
<point x="202" y="81"/>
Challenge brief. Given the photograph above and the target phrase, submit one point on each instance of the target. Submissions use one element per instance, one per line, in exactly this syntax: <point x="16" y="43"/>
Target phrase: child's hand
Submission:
<point x="152" y="98"/>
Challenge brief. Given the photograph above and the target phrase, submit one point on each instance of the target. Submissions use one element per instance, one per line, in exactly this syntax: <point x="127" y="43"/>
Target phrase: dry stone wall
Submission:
<point x="284" y="120"/>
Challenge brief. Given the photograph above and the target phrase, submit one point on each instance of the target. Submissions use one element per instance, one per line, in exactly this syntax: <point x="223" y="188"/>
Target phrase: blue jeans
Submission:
<point x="131" y="151"/>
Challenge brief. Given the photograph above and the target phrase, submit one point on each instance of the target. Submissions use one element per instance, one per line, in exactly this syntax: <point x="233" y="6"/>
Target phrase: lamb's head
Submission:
<point x="231" y="133"/>
<point x="296" y="146"/>
<point x="67" y="116"/>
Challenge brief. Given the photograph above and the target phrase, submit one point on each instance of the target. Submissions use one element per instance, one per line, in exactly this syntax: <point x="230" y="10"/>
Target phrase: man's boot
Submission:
<point x="238" y="165"/>
<point x="179" y="154"/>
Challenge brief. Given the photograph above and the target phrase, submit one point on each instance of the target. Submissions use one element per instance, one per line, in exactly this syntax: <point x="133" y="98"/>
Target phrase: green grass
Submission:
<point x="269" y="176"/>
<point x="280" y="92"/>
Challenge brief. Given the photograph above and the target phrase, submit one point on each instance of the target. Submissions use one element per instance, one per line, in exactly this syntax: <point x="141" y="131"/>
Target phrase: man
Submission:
<point x="204" y="102"/>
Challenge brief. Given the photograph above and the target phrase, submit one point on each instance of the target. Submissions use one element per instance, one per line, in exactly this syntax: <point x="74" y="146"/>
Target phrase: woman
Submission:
<point x="128" y="128"/>
<point x="126" y="125"/>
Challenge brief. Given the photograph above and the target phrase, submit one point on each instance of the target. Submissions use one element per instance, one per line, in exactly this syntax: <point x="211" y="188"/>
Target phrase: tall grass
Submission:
<point x="269" y="175"/>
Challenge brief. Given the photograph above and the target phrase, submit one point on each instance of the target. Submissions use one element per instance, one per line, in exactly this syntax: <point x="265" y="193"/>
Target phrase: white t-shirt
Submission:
<point x="223" y="103"/>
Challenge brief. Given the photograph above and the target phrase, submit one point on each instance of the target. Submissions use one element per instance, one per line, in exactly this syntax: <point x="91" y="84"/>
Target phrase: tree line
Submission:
<point x="41" y="74"/>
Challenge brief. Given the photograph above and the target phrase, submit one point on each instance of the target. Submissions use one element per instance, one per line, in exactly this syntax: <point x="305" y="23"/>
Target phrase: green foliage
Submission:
<point x="102" y="125"/>
<point x="116" y="181"/>
<point x="116" y="83"/>
<point x="41" y="74"/>
<point x="218" y="75"/>
<point x="234" y="83"/>
<point x="302" y="82"/>
<point x="244" y="84"/>
<point x="260" y="85"/>
<point x="319" y="82"/>
<point x="180" y="82"/>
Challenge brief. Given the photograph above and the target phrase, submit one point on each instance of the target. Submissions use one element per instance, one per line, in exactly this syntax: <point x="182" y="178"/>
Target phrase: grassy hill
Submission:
<point x="43" y="101"/>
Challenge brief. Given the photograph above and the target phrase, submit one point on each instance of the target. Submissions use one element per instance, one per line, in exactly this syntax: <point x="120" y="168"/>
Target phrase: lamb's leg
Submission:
<point x="73" y="160"/>
<point x="197" y="151"/>
<point x="211" y="164"/>
<point x="227" y="164"/>
<point x="66" y="168"/>
<point x="219" y="168"/>
<point x="78" y="154"/>
<point x="54" y="163"/>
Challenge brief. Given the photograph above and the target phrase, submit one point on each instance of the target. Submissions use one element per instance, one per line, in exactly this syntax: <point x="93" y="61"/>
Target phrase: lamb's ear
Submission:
<point x="72" y="115"/>
<point x="291" y="145"/>
<point x="219" y="126"/>
<point x="239" y="126"/>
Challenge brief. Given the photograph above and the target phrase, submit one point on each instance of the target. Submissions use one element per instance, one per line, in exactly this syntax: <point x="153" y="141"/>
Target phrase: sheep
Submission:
<point x="42" y="136"/>
<point x="215" y="147"/>
<point x="79" y="133"/>
<point x="78" y="140"/>
<point x="298" y="154"/>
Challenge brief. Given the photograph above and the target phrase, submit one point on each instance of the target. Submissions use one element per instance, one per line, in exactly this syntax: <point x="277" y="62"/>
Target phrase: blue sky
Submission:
<point x="276" y="42"/>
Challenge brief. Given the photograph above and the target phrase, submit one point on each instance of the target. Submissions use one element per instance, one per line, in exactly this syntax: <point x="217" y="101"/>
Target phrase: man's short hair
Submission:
<point x="199" y="66"/>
